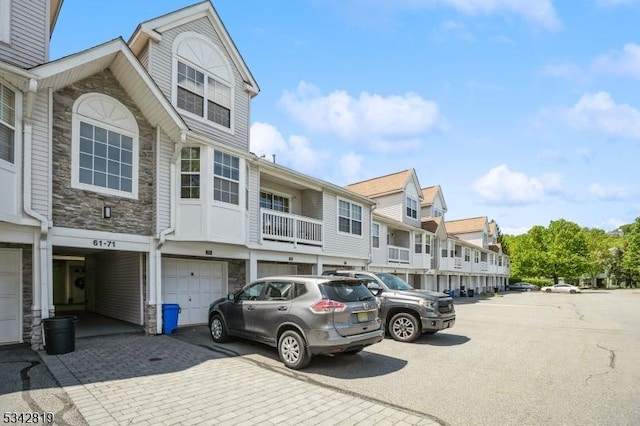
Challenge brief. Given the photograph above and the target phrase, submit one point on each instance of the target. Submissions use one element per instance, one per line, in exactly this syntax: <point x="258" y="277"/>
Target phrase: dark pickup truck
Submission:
<point x="406" y="312"/>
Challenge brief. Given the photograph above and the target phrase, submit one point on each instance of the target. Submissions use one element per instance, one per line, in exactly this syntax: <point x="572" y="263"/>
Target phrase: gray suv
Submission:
<point x="301" y="316"/>
<point x="406" y="312"/>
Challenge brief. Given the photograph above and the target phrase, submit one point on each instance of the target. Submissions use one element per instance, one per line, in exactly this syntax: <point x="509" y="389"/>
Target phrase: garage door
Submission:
<point x="274" y="269"/>
<point x="10" y="303"/>
<point x="193" y="284"/>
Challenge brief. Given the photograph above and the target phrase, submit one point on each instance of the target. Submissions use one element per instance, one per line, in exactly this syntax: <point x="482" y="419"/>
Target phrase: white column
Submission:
<point x="251" y="270"/>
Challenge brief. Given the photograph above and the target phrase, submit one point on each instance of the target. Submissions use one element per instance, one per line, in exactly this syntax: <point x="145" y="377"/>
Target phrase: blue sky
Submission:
<point x="522" y="111"/>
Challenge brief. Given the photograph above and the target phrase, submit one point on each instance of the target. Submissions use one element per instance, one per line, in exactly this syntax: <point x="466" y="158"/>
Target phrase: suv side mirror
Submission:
<point x="374" y="288"/>
<point x="231" y="296"/>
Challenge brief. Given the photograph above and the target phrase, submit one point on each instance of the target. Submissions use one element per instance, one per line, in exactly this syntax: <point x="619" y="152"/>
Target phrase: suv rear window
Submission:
<point x="346" y="290"/>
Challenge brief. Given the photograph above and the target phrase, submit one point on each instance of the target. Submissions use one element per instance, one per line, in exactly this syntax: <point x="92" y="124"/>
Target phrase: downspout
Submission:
<point x="370" y="259"/>
<point x="155" y="296"/>
<point x="41" y="278"/>
<point x="172" y="210"/>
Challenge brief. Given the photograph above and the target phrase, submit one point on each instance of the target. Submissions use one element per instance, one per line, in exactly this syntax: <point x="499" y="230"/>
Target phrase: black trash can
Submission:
<point x="470" y="292"/>
<point x="60" y="334"/>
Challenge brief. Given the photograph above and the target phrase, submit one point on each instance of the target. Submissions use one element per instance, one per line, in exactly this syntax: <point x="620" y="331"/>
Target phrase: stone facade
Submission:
<point x="150" y="319"/>
<point x="80" y="209"/>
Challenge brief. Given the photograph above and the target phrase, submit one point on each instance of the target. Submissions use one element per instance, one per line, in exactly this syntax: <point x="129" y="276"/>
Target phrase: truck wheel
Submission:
<point x="404" y="327"/>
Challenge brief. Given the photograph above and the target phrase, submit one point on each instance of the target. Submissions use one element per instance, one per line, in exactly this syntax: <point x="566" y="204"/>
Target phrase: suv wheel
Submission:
<point x="292" y="351"/>
<point x="404" y="327"/>
<point x="217" y="329"/>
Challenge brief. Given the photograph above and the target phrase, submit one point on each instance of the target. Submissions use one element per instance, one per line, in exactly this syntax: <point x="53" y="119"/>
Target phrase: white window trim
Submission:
<point x="350" y="234"/>
<point x="5" y="21"/>
<point x="174" y="80"/>
<point x="202" y="177"/>
<point x="374" y="235"/>
<point x="132" y="131"/>
<point x="15" y="126"/>
<point x="407" y="206"/>
<point x="277" y="194"/>
<point x="240" y="181"/>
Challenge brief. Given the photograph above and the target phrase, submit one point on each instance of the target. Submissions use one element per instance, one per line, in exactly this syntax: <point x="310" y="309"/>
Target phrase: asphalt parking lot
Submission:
<point x="515" y="359"/>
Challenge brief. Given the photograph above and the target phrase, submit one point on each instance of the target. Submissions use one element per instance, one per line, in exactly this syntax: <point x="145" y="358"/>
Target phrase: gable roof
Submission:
<point x="154" y="28"/>
<point x="116" y="56"/>
<point x="429" y="194"/>
<point x="384" y="185"/>
<point x="463" y="226"/>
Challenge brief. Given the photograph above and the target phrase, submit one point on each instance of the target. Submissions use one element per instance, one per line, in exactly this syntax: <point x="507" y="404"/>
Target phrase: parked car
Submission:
<point x="561" y="288"/>
<point x="521" y="287"/>
<point x="406" y="312"/>
<point x="302" y="316"/>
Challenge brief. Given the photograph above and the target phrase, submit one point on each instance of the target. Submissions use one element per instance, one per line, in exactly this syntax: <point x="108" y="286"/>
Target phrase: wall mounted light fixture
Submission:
<point x="106" y="212"/>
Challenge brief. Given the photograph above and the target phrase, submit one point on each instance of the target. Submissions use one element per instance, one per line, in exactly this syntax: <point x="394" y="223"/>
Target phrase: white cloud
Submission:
<point x="501" y="185"/>
<point x="539" y="12"/>
<point x="607" y="193"/>
<point x="599" y="112"/>
<point x="624" y="63"/>
<point x="350" y="168"/>
<point x="295" y="153"/>
<point x="396" y="121"/>
<point x="613" y="3"/>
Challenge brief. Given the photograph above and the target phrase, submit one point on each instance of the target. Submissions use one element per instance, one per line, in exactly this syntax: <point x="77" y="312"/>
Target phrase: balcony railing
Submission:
<point x="457" y="262"/>
<point x="398" y="254"/>
<point x="278" y="226"/>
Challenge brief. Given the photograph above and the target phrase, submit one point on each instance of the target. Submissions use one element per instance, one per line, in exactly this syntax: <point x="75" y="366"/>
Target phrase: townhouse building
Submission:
<point x="126" y="182"/>
<point x="411" y="238"/>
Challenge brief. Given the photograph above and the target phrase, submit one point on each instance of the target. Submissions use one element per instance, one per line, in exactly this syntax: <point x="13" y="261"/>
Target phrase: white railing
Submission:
<point x="457" y="262"/>
<point x="289" y="227"/>
<point x="483" y="266"/>
<point x="398" y="254"/>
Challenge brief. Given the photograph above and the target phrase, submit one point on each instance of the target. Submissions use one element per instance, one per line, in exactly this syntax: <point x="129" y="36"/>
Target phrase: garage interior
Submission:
<point x="102" y="289"/>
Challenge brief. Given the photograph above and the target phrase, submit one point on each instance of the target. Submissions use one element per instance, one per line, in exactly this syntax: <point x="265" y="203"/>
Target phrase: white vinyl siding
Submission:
<point x="116" y="280"/>
<point x="5" y="21"/>
<point x="28" y="41"/>
<point x="161" y="66"/>
<point x="340" y="244"/>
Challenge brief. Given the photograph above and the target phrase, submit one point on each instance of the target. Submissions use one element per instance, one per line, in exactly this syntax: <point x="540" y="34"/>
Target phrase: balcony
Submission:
<point x="398" y="254"/>
<point x="287" y="227"/>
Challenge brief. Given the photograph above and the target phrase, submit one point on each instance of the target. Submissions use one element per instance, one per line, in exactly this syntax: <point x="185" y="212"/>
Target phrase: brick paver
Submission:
<point x="133" y="379"/>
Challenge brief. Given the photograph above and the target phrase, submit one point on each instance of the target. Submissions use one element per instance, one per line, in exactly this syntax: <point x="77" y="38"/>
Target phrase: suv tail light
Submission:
<point x="324" y="306"/>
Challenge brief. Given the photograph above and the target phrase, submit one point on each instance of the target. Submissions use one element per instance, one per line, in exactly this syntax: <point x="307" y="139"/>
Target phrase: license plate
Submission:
<point x="363" y="316"/>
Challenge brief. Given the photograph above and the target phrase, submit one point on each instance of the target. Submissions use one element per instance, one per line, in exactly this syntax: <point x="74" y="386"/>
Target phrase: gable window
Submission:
<point x="412" y="208"/>
<point x="437" y="212"/>
<point x="226" y="177"/>
<point x="203" y="95"/>
<point x="427" y="245"/>
<point x="349" y="217"/>
<point x="418" y="243"/>
<point x="105" y="146"/>
<point x="274" y="202"/>
<point x="190" y="172"/>
<point x="203" y="80"/>
<point x="5" y="21"/>
<point x="7" y="124"/>
<point x="375" y="235"/>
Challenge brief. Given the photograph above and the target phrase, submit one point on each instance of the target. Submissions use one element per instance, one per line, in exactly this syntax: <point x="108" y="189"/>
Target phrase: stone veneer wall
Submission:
<point x="76" y="208"/>
<point x="30" y="320"/>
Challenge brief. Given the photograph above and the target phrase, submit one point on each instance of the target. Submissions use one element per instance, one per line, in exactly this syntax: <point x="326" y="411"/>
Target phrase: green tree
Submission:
<point x="631" y="256"/>
<point x="567" y="250"/>
<point x="599" y="254"/>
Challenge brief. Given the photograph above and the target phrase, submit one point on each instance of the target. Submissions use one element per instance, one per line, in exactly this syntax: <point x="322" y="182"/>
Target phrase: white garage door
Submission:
<point x="274" y="269"/>
<point x="10" y="303"/>
<point x="193" y="284"/>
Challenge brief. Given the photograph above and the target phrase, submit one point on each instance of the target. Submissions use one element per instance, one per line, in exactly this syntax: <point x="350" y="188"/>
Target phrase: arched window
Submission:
<point x="203" y="80"/>
<point x="104" y="146"/>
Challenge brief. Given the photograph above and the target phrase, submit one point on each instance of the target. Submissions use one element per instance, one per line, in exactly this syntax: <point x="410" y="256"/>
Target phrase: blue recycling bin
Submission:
<point x="452" y="293"/>
<point x="170" y="313"/>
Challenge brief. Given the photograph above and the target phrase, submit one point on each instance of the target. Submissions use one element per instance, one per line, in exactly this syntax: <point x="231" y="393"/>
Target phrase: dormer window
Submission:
<point x="7" y="124"/>
<point x="203" y="80"/>
<point x="412" y="208"/>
